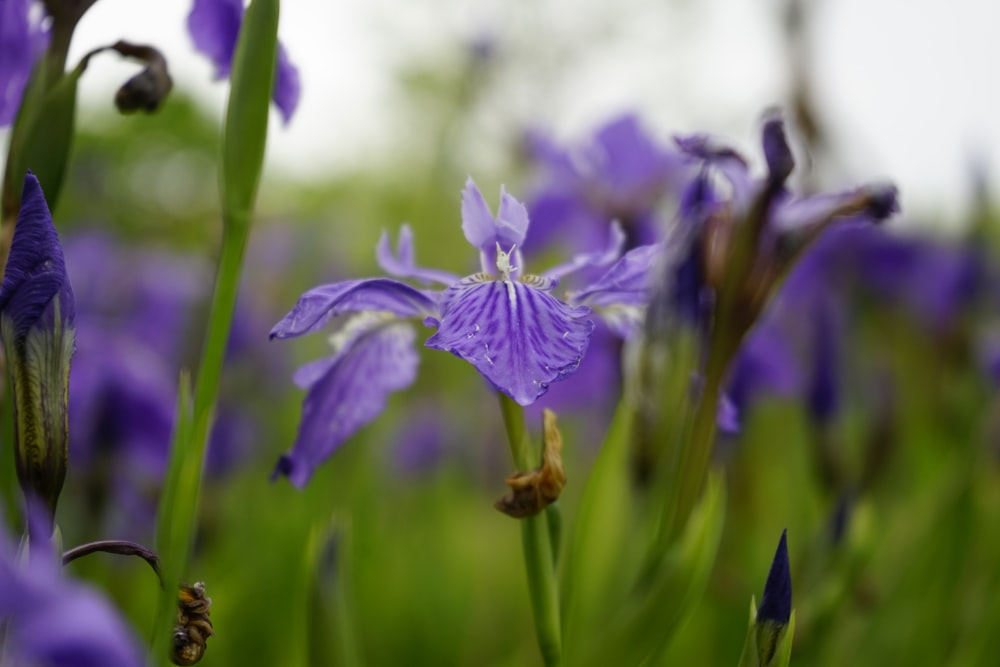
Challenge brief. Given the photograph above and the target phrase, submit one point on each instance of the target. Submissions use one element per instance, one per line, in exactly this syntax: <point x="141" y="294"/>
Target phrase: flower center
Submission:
<point x="503" y="261"/>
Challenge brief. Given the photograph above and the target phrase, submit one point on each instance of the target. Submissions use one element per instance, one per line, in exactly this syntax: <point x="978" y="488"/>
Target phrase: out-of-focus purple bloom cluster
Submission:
<point x="502" y="320"/>
<point x="214" y="26"/>
<point x="50" y="620"/>
<point x="620" y="173"/>
<point x="24" y="37"/>
<point x="139" y="314"/>
<point x="800" y="344"/>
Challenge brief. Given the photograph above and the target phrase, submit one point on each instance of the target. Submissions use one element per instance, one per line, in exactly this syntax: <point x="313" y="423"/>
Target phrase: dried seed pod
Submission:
<point x="193" y="627"/>
<point x="532" y="491"/>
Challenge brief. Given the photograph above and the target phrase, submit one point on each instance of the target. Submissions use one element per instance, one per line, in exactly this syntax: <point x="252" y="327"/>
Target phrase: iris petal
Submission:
<point x="351" y="394"/>
<point x="318" y="305"/>
<point x="483" y="230"/>
<point x="518" y="337"/>
<point x="626" y="283"/>
<point x="402" y="264"/>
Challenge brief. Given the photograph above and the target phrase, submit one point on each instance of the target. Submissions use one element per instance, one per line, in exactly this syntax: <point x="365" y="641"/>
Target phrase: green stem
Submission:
<point x="536" y="543"/>
<point x="179" y="508"/>
<point x="688" y="474"/>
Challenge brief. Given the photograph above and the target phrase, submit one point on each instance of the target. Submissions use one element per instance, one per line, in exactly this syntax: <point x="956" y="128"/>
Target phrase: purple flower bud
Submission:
<point x="37" y="324"/>
<point x="780" y="161"/>
<point x="776" y="604"/>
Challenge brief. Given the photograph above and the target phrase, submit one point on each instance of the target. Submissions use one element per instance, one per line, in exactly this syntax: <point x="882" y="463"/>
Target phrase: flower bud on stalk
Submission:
<point x="37" y="325"/>
<point x="772" y="625"/>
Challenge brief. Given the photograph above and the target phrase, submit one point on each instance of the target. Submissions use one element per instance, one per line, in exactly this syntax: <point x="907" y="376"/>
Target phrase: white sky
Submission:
<point x="910" y="88"/>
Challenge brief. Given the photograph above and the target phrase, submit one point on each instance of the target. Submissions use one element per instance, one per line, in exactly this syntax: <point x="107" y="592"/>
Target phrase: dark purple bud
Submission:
<point x="36" y="272"/>
<point x="37" y="324"/>
<point x="776" y="605"/>
<point x="883" y="201"/>
<point x="780" y="161"/>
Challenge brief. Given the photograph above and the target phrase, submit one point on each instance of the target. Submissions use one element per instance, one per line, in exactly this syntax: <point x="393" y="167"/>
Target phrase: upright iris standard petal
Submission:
<point x="37" y="320"/>
<point x="214" y="26"/>
<point x="349" y="394"/>
<point x="484" y="231"/>
<point x="518" y="337"/>
<point x="318" y="305"/>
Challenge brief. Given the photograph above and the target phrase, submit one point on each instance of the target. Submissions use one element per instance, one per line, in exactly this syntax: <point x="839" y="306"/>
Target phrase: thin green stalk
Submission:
<point x="179" y="508"/>
<point x="535" y="540"/>
<point x="242" y="155"/>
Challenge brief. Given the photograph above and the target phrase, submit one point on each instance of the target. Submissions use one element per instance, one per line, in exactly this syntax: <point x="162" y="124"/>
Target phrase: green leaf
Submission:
<point x="756" y="632"/>
<point x="595" y="578"/>
<point x="41" y="139"/>
<point x="641" y="630"/>
<point x="245" y="136"/>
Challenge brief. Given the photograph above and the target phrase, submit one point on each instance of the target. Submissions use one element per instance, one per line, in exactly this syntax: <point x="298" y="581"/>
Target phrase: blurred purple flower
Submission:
<point x="138" y="310"/>
<point x="214" y="26"/>
<point x="799" y="346"/>
<point x="53" y="621"/>
<point x="503" y="321"/>
<point x="619" y="174"/>
<point x="744" y="235"/>
<point x="24" y="36"/>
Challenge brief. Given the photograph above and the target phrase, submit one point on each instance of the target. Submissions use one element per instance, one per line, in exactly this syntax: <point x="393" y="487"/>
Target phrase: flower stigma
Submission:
<point x="503" y="261"/>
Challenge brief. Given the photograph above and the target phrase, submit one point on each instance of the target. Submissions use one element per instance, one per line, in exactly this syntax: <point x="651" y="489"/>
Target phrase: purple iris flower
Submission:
<point x="502" y="320"/>
<point x="215" y="25"/>
<point x="621" y="174"/>
<point x="53" y="621"/>
<point x="23" y="38"/>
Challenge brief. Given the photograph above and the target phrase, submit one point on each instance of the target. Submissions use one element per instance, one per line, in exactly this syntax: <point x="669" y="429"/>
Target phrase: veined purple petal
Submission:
<point x="484" y="231"/>
<point x="403" y="263"/>
<point x="627" y="282"/>
<point x="318" y="305"/>
<point x="616" y="242"/>
<point x="23" y="39"/>
<point x="36" y="272"/>
<point x="518" y="337"/>
<point x="351" y="394"/>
